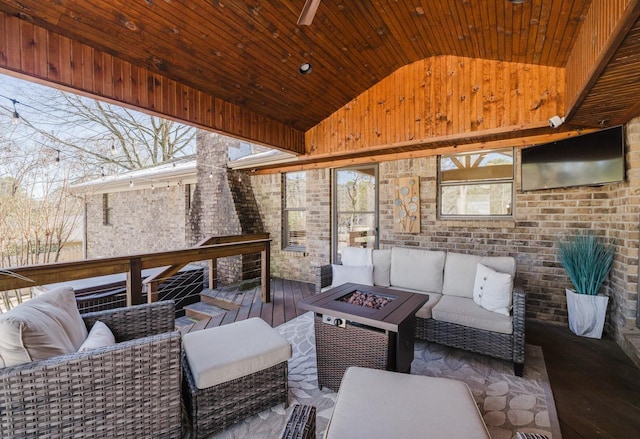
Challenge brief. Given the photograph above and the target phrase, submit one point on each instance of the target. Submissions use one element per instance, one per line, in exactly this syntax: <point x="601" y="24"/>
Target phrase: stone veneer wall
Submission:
<point x="542" y="217"/>
<point x="142" y="221"/>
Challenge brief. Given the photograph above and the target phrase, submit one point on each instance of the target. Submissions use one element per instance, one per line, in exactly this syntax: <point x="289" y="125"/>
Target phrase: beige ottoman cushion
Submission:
<point x="375" y="404"/>
<point x="233" y="351"/>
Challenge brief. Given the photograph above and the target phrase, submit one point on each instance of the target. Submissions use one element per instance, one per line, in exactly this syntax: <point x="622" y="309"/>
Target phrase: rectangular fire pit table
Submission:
<point x="349" y="334"/>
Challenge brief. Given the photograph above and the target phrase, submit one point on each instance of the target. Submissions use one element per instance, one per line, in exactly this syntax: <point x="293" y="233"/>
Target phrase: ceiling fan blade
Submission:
<point x="308" y="12"/>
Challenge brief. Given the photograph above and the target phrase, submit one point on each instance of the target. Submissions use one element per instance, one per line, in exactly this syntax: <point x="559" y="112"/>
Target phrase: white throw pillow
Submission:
<point x="356" y="256"/>
<point x="342" y="274"/>
<point x="99" y="336"/>
<point x="492" y="290"/>
<point x="46" y="326"/>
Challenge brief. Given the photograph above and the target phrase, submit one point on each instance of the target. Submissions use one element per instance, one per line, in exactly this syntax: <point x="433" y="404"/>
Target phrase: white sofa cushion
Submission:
<point x="99" y="336"/>
<point x="381" y="267"/>
<point x="356" y="256"/>
<point x="460" y="274"/>
<point x="46" y="326"/>
<point x="425" y="311"/>
<point x="417" y="269"/>
<point x="493" y="290"/>
<point x="374" y="404"/>
<point x="357" y="274"/>
<point x="503" y="264"/>
<point x="224" y="353"/>
<point x="463" y="311"/>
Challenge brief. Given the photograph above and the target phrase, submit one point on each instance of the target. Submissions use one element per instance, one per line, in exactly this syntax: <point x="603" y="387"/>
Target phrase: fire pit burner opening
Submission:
<point x="368" y="300"/>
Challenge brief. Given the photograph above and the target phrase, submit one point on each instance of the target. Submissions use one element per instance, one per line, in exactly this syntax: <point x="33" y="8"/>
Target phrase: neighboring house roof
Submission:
<point x="268" y="157"/>
<point x="172" y="173"/>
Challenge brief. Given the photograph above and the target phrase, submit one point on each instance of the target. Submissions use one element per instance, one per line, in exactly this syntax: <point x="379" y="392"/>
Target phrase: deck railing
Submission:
<point x="209" y="250"/>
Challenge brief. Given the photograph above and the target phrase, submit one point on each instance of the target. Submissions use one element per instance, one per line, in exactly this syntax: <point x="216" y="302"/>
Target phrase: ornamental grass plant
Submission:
<point x="587" y="258"/>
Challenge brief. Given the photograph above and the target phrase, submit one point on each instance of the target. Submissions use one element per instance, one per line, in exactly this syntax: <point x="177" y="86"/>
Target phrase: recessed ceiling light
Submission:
<point x="305" y="68"/>
<point x="516" y="2"/>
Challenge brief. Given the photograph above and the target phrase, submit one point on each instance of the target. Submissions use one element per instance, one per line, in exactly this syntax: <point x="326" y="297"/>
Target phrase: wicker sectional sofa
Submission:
<point x="451" y="316"/>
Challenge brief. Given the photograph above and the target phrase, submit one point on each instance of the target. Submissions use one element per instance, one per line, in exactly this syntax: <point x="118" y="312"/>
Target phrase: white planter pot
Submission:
<point x="586" y="313"/>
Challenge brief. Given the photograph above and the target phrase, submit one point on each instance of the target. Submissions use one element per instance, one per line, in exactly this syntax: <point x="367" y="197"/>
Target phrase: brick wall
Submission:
<point x="224" y="204"/>
<point x="290" y="264"/>
<point x="541" y="218"/>
<point x="141" y="221"/>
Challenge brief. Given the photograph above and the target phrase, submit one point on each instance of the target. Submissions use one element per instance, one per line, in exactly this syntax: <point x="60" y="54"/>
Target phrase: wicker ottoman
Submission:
<point x="232" y="372"/>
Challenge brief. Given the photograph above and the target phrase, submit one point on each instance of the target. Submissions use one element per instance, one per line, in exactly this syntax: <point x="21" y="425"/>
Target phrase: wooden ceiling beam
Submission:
<point x="491" y="139"/>
<point x="44" y="56"/>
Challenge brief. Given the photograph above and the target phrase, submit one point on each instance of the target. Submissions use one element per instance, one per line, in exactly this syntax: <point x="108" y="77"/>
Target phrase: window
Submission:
<point x="478" y="184"/>
<point x="106" y="210"/>
<point x="355" y="208"/>
<point x="295" y="201"/>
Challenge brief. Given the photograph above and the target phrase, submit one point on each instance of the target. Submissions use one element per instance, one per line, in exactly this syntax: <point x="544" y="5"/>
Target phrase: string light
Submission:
<point x="58" y="156"/>
<point x="130" y="183"/>
<point x="16" y="116"/>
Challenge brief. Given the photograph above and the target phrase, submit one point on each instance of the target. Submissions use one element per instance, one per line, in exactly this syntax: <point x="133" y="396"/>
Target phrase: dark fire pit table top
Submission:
<point x="389" y="317"/>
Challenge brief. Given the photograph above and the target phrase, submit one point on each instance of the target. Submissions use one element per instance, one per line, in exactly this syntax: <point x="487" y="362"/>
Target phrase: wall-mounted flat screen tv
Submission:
<point x="589" y="160"/>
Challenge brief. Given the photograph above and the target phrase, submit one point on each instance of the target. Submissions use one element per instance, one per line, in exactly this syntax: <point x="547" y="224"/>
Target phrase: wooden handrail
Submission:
<point x="153" y="282"/>
<point x="132" y="265"/>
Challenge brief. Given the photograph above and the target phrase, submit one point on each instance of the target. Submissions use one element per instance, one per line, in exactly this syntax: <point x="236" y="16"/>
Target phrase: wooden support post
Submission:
<point x="213" y="273"/>
<point x="266" y="272"/>
<point x="134" y="282"/>
<point x="152" y="291"/>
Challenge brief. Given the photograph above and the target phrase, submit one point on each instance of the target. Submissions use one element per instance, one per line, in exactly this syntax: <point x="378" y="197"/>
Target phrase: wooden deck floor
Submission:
<point x="596" y="386"/>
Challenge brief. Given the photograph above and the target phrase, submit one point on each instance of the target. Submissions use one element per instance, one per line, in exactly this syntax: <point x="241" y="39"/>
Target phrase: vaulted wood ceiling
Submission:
<point x="248" y="52"/>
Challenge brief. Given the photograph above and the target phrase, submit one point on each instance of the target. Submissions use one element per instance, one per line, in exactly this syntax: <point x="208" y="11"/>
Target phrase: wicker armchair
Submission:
<point x="130" y="389"/>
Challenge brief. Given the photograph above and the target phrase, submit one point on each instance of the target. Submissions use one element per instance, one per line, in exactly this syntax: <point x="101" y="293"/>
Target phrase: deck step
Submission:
<point x="202" y="310"/>
<point x="206" y="296"/>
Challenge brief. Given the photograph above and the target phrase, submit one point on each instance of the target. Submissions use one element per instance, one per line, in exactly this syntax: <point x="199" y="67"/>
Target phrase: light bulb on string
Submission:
<point x="57" y="156"/>
<point x="15" y="117"/>
<point x="130" y="183"/>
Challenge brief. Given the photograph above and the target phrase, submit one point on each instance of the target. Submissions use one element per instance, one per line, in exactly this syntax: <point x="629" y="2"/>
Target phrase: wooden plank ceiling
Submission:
<point x="247" y="53"/>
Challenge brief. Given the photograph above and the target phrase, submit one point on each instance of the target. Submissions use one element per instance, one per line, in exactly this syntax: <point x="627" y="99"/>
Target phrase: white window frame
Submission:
<point x="286" y="243"/>
<point x="477" y="182"/>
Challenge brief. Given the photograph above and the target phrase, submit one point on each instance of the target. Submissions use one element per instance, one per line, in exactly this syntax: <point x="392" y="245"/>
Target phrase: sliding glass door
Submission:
<point x="355" y="208"/>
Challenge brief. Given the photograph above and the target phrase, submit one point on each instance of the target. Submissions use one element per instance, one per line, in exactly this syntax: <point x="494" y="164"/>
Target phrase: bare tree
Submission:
<point x="62" y="139"/>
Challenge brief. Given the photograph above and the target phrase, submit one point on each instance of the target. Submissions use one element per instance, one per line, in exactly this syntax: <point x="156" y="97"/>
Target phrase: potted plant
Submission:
<point x="587" y="258"/>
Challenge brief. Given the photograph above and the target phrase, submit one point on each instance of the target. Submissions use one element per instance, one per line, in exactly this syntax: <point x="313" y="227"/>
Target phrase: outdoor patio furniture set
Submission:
<point x="62" y="375"/>
<point x="475" y="302"/>
<point x="127" y="372"/>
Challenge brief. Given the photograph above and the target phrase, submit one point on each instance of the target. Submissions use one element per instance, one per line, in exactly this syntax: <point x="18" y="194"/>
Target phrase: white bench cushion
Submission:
<point x="503" y="264"/>
<point x="460" y="274"/>
<point x="381" y="267"/>
<point x="417" y="269"/>
<point x="425" y="311"/>
<point x="221" y="354"/>
<point x="375" y="404"/>
<point x="465" y="312"/>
